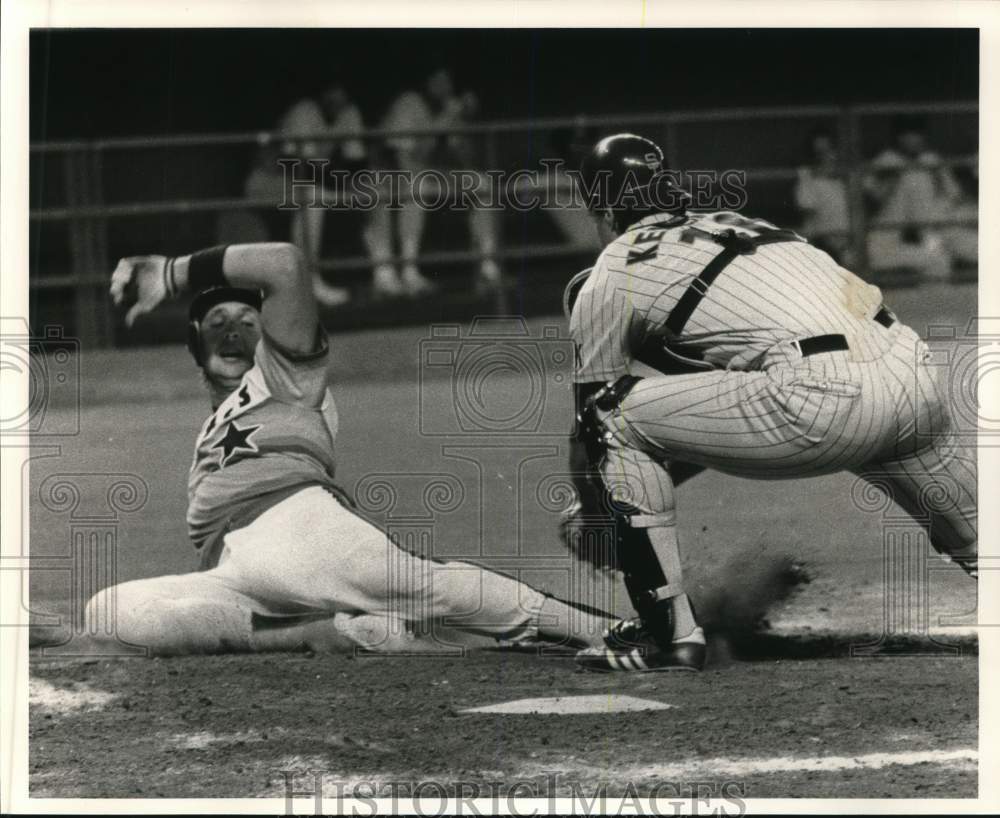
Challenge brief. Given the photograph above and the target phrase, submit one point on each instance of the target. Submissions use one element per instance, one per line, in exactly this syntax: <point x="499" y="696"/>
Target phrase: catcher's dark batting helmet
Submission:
<point x="204" y="301"/>
<point x="626" y="173"/>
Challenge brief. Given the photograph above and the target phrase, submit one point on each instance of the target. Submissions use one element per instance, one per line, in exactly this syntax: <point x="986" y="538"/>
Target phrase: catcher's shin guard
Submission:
<point x="645" y="543"/>
<point x="651" y="566"/>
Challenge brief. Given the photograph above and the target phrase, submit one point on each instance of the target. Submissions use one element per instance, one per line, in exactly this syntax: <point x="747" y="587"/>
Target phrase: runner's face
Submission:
<point x="229" y="335"/>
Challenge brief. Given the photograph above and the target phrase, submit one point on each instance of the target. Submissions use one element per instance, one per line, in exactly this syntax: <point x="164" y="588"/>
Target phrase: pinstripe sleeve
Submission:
<point x="608" y="322"/>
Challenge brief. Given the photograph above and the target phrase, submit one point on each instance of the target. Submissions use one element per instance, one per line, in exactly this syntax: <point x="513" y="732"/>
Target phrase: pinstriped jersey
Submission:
<point x="777" y="292"/>
<point x="272" y="436"/>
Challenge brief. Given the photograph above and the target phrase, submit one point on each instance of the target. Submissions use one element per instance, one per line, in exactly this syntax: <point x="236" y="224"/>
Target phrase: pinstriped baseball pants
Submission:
<point x="878" y="410"/>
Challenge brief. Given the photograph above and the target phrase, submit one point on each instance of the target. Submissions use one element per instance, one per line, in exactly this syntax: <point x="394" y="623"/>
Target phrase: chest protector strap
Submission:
<point x="733" y="245"/>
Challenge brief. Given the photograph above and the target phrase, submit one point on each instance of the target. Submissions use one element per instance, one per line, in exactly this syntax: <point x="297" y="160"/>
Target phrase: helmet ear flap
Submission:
<point x="666" y="194"/>
<point x="619" y="220"/>
<point x="194" y="342"/>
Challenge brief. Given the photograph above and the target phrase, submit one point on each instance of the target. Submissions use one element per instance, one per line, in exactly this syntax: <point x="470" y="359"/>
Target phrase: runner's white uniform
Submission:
<point x="279" y="541"/>
<point x="793" y="368"/>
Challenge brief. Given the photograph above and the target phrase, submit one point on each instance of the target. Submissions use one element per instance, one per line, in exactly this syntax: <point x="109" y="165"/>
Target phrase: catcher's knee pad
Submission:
<point x="594" y="401"/>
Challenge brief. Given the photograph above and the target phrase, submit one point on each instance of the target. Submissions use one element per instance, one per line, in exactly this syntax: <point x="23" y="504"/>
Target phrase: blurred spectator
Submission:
<point x="344" y="119"/>
<point x="437" y="106"/>
<point x="821" y="194"/>
<point x="574" y="222"/>
<point x="263" y="223"/>
<point x="333" y="114"/>
<point x="407" y="112"/>
<point x="305" y="117"/>
<point x="912" y="192"/>
<point x="346" y="154"/>
<point x="460" y="153"/>
<point x="962" y="240"/>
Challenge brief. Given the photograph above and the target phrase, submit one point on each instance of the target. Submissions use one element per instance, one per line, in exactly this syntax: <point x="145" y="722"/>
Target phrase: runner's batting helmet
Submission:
<point x="204" y="301"/>
<point x="625" y="173"/>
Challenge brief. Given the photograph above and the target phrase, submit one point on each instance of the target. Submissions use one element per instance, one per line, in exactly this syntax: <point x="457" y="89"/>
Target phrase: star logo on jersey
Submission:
<point x="234" y="441"/>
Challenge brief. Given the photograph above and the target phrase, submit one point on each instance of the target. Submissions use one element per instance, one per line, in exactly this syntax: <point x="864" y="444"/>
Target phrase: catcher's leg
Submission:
<point x="929" y="469"/>
<point x="639" y="494"/>
<point x="937" y="486"/>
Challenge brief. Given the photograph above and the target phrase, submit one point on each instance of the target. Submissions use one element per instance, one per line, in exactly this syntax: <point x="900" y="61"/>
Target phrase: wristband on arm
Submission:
<point x="205" y="269"/>
<point x="169" y="282"/>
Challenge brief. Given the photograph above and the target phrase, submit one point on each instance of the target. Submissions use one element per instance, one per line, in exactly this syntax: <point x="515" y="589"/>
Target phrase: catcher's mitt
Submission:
<point x="587" y="527"/>
<point x="592" y="540"/>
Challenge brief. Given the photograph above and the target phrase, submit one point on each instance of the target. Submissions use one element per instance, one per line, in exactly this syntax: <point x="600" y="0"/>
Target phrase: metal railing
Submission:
<point x="87" y="214"/>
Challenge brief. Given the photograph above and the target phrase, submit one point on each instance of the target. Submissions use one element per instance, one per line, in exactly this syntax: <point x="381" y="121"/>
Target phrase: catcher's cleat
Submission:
<point x="970" y="565"/>
<point x="629" y="646"/>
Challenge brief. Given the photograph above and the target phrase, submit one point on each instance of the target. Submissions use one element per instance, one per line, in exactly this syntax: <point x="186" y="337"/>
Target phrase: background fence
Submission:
<point x="94" y="201"/>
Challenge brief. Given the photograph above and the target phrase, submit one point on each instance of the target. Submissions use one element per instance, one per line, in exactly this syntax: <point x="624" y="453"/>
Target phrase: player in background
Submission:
<point x="286" y="563"/>
<point x="772" y="362"/>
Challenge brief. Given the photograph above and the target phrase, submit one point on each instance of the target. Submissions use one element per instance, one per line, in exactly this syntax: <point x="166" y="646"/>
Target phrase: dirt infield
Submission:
<point x="849" y="680"/>
<point x="901" y="728"/>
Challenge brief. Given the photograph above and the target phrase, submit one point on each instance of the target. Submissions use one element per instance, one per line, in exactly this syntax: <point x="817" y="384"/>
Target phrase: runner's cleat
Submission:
<point x="629" y="646"/>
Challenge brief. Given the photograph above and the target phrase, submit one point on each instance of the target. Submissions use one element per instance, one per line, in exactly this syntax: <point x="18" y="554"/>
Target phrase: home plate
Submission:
<point x="572" y="705"/>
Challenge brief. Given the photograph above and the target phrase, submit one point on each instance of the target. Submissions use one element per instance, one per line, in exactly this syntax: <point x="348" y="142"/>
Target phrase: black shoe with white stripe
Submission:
<point x="629" y="646"/>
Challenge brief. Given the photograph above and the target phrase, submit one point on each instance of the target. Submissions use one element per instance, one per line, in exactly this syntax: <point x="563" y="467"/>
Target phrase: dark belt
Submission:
<point x="837" y="342"/>
<point x="653" y="355"/>
<point x="821" y="343"/>
<point x="884" y="317"/>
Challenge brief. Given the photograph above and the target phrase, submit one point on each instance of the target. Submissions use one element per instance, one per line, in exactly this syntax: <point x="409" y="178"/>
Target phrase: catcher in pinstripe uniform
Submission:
<point x="773" y="362"/>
